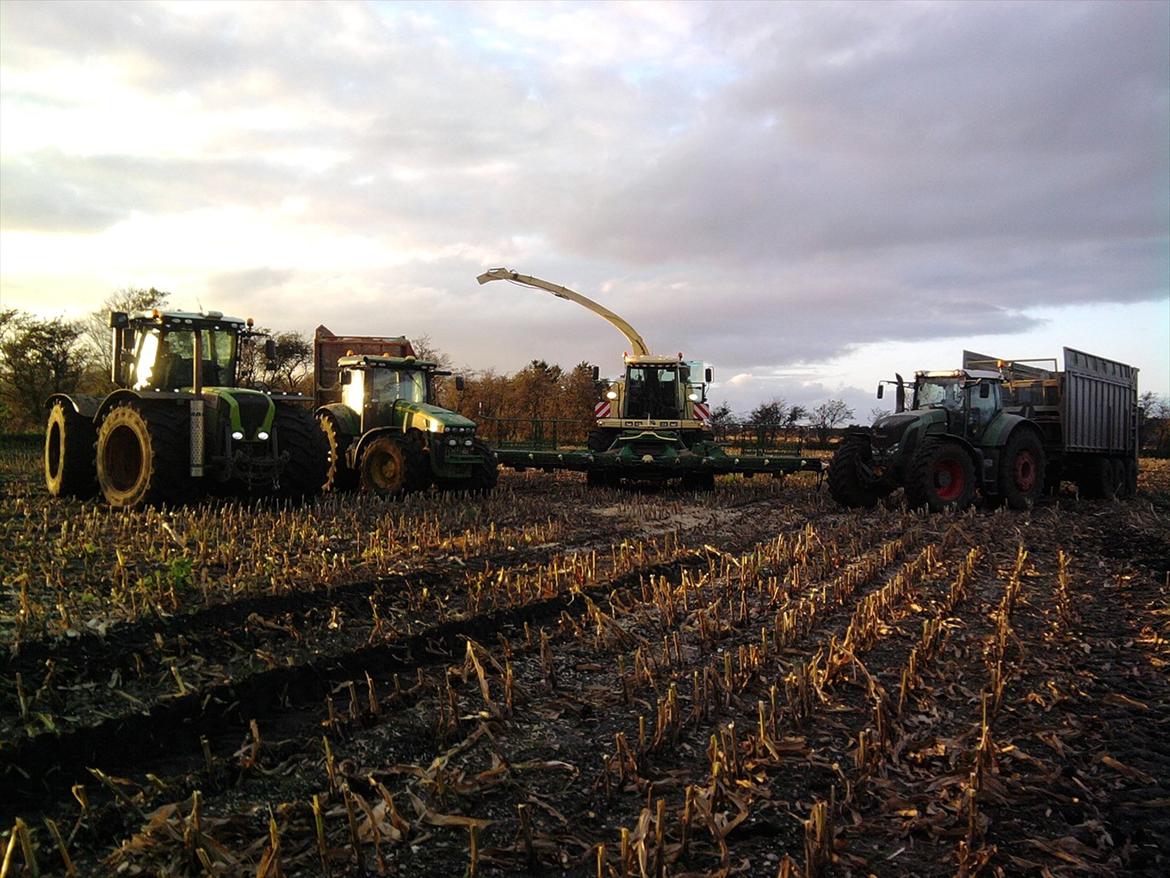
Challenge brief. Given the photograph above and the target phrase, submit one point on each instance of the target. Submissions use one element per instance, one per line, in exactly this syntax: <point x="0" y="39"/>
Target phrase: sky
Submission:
<point x="809" y="196"/>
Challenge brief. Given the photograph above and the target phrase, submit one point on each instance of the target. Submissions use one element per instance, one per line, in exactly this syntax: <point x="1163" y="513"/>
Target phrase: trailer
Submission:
<point x="1006" y="430"/>
<point x="1088" y="417"/>
<point x="652" y="424"/>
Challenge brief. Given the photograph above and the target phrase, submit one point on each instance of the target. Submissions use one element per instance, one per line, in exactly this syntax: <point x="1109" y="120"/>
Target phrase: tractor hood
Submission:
<point x="888" y="430"/>
<point x="249" y="412"/>
<point x="433" y="419"/>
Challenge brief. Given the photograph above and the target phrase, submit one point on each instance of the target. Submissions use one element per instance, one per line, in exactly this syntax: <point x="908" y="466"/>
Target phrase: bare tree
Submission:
<point x="828" y="416"/>
<point x="95" y="330"/>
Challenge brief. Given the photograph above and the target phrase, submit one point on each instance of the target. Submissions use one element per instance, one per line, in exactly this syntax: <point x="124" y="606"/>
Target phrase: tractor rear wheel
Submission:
<point x="339" y="476"/>
<point x="142" y="455"/>
<point x="941" y="474"/>
<point x="298" y="435"/>
<point x="1021" y="471"/>
<point x="850" y="484"/>
<point x="70" y="470"/>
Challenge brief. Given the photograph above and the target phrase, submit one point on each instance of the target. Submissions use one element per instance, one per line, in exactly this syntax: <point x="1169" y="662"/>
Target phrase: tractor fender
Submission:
<point x="125" y="395"/>
<point x="1004" y="426"/>
<point x="343" y="416"/>
<point x="86" y="406"/>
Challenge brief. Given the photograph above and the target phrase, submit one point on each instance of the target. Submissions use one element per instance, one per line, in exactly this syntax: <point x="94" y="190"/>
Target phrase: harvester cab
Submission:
<point x="385" y="430"/>
<point x="179" y="421"/>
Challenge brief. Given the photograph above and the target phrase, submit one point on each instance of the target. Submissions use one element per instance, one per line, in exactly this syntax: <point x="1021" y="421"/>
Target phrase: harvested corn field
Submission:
<point x="563" y="681"/>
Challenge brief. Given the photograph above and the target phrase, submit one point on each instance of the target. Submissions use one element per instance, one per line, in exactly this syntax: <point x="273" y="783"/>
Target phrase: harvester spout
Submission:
<point x="631" y="334"/>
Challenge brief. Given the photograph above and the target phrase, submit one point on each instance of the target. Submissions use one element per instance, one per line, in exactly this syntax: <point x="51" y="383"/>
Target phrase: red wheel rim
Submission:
<point x="1024" y="471"/>
<point x="949" y="479"/>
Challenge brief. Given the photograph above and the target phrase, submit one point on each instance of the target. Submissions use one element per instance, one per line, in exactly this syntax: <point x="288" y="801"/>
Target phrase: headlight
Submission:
<point x="433" y="426"/>
<point x="693" y="397"/>
<point x="611" y="395"/>
<point x="262" y="436"/>
<point x="237" y="435"/>
<point x="450" y="441"/>
<point x="467" y="442"/>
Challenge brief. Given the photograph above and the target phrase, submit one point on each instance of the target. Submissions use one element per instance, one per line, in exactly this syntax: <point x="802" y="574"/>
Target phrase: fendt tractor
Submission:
<point x="653" y="424"/>
<point x="1006" y="430"/>
<point x="179" y="423"/>
<point x="376" y="408"/>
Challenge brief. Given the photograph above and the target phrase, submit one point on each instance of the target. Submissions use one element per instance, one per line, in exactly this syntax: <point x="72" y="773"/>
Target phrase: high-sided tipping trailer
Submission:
<point x="653" y="424"/>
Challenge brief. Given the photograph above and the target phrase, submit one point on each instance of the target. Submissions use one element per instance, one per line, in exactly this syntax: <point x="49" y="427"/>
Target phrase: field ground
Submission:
<point x="562" y="681"/>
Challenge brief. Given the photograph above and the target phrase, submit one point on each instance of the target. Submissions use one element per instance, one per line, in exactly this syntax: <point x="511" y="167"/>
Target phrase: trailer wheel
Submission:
<point x="70" y="469"/>
<point x="142" y="455"/>
<point x="338" y="476"/>
<point x="1021" y="471"/>
<point x="849" y="483"/>
<point x="1131" y="477"/>
<point x="1099" y="480"/>
<point x="941" y="475"/>
<point x="484" y="476"/>
<point x="298" y="434"/>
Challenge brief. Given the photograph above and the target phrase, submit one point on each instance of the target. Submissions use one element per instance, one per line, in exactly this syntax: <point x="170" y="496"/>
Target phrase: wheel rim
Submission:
<point x="385" y="470"/>
<point x="122" y="458"/>
<point x="1024" y="471"/>
<point x="54" y="458"/>
<point x="949" y="479"/>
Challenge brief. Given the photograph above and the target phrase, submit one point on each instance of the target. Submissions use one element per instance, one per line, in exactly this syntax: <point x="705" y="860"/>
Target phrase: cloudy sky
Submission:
<point x="806" y="195"/>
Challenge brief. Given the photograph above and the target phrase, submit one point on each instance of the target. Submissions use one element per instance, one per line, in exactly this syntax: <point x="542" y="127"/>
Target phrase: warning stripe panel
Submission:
<point x="602" y="409"/>
<point x="702" y="411"/>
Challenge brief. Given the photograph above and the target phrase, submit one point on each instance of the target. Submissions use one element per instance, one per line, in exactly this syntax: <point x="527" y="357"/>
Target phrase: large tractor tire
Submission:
<point x="941" y="475"/>
<point x="849" y="483"/>
<point x="393" y="465"/>
<point x="298" y="435"/>
<point x="484" y="476"/>
<point x="143" y="456"/>
<point x="1021" y="471"/>
<point x="339" y="476"/>
<point x="70" y="469"/>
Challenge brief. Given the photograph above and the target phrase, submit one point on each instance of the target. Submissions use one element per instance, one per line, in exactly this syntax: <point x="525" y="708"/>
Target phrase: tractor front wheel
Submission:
<point x="393" y="465"/>
<point x="70" y="470"/>
<point x="142" y="455"/>
<point x="851" y="483"/>
<point x="484" y="476"/>
<point x="1021" y="472"/>
<point x="942" y="474"/>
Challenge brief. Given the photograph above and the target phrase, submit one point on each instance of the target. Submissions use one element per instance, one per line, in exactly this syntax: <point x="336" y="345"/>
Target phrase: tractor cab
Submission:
<point x="970" y="399"/>
<point x="388" y="391"/>
<point x="175" y="350"/>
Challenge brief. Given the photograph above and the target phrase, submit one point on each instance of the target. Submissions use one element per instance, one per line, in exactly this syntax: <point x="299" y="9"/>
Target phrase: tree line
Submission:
<point x="39" y="357"/>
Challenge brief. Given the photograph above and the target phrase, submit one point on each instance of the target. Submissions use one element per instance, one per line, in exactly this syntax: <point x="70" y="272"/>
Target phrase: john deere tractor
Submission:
<point x="385" y="433"/>
<point x="178" y="423"/>
<point x="954" y="441"/>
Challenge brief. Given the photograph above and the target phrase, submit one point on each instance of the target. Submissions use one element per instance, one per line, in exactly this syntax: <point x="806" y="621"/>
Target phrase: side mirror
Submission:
<point x="459" y="382"/>
<point x="984" y="390"/>
<point x="596" y="373"/>
<point x="881" y="390"/>
<point x="345" y="378"/>
<point x="708" y="374"/>
<point x="270" y="353"/>
<point x="118" y="319"/>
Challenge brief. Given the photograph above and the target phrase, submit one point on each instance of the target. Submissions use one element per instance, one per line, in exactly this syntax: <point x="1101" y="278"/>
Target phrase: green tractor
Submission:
<point x="954" y="441"/>
<point x="384" y="431"/>
<point x="178" y="423"/>
<point x="1005" y="429"/>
